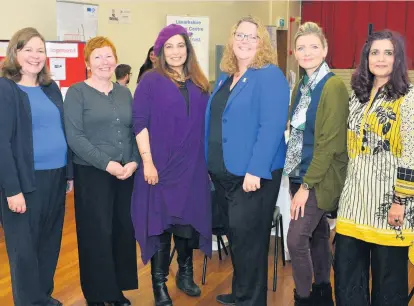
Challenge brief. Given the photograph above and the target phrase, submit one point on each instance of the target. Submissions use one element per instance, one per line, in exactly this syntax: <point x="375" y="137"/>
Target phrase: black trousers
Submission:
<point x="389" y="271"/>
<point x="106" y="243"/>
<point x="33" y="238"/>
<point x="250" y="218"/>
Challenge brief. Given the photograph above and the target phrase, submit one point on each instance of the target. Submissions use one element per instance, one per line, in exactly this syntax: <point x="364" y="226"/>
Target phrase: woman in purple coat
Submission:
<point x="171" y="192"/>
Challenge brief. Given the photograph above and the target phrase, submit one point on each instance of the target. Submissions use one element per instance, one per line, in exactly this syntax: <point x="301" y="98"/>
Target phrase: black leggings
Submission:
<point x="389" y="269"/>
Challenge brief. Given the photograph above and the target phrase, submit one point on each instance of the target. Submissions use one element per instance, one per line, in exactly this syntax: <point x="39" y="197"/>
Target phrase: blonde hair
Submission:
<point x="311" y="28"/>
<point x="265" y="54"/>
<point x="10" y="67"/>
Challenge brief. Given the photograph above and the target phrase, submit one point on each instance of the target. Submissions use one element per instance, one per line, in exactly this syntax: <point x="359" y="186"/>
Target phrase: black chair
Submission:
<point x="278" y="224"/>
<point x="219" y="233"/>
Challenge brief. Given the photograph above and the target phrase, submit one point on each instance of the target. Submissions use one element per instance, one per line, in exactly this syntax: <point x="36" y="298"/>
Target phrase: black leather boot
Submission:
<point x="184" y="278"/>
<point x="299" y="301"/>
<point x="322" y="295"/>
<point x="160" y="264"/>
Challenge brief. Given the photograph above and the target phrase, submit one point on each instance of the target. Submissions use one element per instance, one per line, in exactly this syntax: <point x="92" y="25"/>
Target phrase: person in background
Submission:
<point x="245" y="150"/>
<point x="148" y="64"/>
<point x="123" y="74"/>
<point x="172" y="188"/>
<point x="35" y="168"/>
<point x="98" y="121"/>
<point x="316" y="163"/>
<point x="376" y="210"/>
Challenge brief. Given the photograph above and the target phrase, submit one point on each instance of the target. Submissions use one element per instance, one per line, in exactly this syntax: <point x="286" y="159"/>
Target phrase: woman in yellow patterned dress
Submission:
<point x="376" y="211"/>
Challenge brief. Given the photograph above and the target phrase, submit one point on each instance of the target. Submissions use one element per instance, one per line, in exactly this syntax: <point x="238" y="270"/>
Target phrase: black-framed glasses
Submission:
<point x="249" y="37"/>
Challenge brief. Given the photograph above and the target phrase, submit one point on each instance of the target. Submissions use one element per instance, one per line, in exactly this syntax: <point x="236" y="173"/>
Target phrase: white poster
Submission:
<point x="58" y="68"/>
<point x="3" y="48"/>
<point x="120" y="16"/>
<point x="113" y="16"/>
<point x="61" y="49"/>
<point x="125" y="16"/>
<point x="198" y="30"/>
<point x="76" y="21"/>
<point x="90" y="12"/>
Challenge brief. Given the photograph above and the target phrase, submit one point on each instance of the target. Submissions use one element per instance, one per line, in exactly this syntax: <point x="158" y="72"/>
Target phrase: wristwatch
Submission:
<point x="306" y="186"/>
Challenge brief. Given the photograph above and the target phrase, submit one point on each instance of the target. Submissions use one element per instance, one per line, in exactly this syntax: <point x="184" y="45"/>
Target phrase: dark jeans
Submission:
<point x="389" y="269"/>
<point x="106" y="243"/>
<point x="249" y="222"/>
<point x="309" y="247"/>
<point x="33" y="238"/>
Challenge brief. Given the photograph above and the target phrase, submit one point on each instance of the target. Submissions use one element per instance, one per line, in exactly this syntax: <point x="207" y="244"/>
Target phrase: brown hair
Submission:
<point x="192" y="70"/>
<point x="265" y="54"/>
<point x="96" y="43"/>
<point x="11" y="68"/>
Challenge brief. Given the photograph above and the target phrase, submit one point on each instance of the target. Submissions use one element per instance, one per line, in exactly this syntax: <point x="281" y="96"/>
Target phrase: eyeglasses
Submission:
<point x="249" y="37"/>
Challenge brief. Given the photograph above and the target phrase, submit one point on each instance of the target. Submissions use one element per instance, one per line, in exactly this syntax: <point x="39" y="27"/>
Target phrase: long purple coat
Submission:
<point x="182" y="195"/>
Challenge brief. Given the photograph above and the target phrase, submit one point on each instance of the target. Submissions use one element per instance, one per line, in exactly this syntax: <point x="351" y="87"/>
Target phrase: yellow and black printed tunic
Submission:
<point x="381" y="163"/>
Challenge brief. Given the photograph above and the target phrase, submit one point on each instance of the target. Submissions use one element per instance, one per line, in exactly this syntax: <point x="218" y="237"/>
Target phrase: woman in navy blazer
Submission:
<point x="36" y="169"/>
<point x="245" y="150"/>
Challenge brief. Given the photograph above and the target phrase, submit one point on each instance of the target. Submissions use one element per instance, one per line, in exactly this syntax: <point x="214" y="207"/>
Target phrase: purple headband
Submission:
<point x="165" y="34"/>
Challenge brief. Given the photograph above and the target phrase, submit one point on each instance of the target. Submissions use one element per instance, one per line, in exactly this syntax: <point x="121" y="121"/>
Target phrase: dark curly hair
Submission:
<point x="363" y="80"/>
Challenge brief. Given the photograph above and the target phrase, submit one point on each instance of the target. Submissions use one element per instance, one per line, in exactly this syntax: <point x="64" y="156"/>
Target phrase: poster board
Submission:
<point x="65" y="60"/>
<point x="199" y="31"/>
<point x="76" y="21"/>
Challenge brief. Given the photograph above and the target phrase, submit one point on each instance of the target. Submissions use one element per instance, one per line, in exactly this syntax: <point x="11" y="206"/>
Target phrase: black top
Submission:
<point x="17" y="172"/>
<point x="184" y="92"/>
<point x="215" y="144"/>
<point x="185" y="231"/>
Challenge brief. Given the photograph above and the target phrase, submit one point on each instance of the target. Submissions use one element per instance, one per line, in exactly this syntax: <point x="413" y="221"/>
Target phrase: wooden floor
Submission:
<point x="67" y="287"/>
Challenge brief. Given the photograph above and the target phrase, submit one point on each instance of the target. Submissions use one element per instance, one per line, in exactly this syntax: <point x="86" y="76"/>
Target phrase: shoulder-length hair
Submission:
<point x="265" y="54"/>
<point x="10" y="68"/>
<point x="363" y="80"/>
<point x="192" y="69"/>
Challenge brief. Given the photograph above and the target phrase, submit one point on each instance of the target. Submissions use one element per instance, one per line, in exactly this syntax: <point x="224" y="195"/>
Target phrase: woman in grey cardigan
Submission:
<point x="98" y="124"/>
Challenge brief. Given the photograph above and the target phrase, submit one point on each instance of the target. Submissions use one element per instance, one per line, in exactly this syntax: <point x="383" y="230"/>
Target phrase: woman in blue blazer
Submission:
<point x="245" y="150"/>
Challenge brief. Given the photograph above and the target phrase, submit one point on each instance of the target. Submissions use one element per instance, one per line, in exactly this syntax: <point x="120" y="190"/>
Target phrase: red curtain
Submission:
<point x="345" y="24"/>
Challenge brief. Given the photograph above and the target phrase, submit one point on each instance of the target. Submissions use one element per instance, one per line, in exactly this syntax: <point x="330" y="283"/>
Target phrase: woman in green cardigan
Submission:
<point x="316" y="163"/>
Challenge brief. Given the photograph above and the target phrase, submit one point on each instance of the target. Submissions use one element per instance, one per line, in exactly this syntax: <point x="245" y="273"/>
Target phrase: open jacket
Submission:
<point x="326" y="171"/>
<point x="17" y="172"/>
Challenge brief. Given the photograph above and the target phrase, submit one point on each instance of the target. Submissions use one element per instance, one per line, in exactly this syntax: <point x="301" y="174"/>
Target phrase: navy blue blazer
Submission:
<point x="17" y="172"/>
<point x="254" y="122"/>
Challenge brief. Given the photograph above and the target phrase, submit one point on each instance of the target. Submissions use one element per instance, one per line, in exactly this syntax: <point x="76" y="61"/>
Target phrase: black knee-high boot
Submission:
<point x="303" y="301"/>
<point x="160" y="264"/>
<point x="184" y="278"/>
<point x="322" y="295"/>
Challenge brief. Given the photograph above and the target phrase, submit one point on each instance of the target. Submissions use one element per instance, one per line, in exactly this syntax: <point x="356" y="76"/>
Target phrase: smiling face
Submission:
<point x="32" y="57"/>
<point x="245" y="41"/>
<point x="310" y="52"/>
<point x="175" y="52"/>
<point x="381" y="58"/>
<point x="102" y="63"/>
